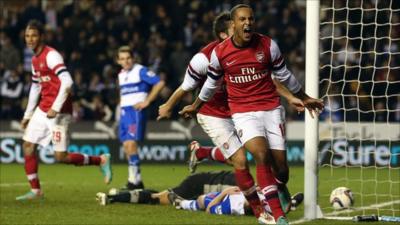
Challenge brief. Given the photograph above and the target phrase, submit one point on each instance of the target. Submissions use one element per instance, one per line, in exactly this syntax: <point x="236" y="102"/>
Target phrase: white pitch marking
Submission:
<point x="374" y="206"/>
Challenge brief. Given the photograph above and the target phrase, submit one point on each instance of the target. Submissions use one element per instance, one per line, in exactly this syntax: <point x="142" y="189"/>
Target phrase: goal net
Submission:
<point x="359" y="81"/>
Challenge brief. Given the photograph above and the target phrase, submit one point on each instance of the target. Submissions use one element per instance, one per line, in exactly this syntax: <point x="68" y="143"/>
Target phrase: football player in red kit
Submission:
<point x="48" y="112"/>
<point x="246" y="63"/>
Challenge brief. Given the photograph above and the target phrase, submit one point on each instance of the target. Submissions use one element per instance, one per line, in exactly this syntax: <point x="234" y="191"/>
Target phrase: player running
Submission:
<point x="138" y="88"/>
<point x="48" y="112"/>
<point x="214" y="116"/>
<point x="246" y="62"/>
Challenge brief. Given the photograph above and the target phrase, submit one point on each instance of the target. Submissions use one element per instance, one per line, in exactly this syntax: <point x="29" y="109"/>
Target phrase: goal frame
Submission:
<point x="311" y="138"/>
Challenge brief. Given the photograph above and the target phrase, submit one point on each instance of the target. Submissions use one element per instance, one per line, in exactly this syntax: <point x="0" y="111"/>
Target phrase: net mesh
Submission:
<point x="360" y="85"/>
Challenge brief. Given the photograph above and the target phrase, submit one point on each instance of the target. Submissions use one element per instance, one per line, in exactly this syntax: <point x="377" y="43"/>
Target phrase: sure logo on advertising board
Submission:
<point x="338" y="152"/>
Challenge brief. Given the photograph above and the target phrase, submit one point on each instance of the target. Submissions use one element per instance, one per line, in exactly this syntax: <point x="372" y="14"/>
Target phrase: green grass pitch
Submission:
<point x="70" y="196"/>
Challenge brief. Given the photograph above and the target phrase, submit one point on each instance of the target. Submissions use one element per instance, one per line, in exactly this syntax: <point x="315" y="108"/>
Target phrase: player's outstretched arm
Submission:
<point x="194" y="72"/>
<point x="220" y="197"/>
<point x="165" y="110"/>
<point x="213" y="82"/>
<point x="190" y="111"/>
<point x="206" y="93"/>
<point x="292" y="100"/>
<point x="155" y="90"/>
<point x="286" y="77"/>
<point x="313" y="105"/>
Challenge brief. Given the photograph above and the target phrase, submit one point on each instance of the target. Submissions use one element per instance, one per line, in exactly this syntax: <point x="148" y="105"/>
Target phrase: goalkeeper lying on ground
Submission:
<point x="191" y="188"/>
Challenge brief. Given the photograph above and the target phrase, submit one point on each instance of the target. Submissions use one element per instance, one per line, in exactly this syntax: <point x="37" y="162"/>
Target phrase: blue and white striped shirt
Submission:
<point x="135" y="84"/>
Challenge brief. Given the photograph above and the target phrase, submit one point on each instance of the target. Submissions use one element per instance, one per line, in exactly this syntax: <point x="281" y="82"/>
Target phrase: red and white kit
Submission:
<point x="214" y="116"/>
<point x="252" y="96"/>
<point x="50" y="82"/>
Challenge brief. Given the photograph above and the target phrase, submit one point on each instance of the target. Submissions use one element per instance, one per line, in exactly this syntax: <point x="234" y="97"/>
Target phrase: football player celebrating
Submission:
<point x="214" y="116"/>
<point x="246" y="62"/>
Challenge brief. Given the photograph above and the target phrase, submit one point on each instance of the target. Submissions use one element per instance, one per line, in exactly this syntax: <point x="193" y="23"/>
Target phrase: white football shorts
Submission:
<point x="269" y="124"/>
<point x="42" y="130"/>
<point x="222" y="133"/>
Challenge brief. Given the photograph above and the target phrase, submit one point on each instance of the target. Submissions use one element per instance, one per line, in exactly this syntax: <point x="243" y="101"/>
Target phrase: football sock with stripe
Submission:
<point x="134" y="175"/>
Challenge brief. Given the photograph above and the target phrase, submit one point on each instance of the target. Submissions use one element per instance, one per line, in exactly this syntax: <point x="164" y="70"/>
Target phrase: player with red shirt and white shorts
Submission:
<point x="48" y="112"/>
<point x="214" y="117"/>
<point x="246" y="62"/>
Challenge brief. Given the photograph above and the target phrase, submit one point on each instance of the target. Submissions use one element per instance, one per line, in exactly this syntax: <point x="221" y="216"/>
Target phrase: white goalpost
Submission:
<point x="353" y="64"/>
<point x="311" y="130"/>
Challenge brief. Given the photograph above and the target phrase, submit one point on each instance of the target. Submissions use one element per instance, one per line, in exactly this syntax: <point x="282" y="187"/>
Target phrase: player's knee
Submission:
<point x="58" y="158"/>
<point x="200" y="202"/>
<point x="130" y="147"/>
<point x="61" y="158"/>
<point x="240" y="165"/>
<point x="28" y="148"/>
<point x="260" y="157"/>
<point x="239" y="161"/>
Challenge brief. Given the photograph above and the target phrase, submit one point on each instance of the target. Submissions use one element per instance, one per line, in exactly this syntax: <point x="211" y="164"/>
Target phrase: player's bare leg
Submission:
<point x="258" y="147"/>
<point x="163" y="197"/>
<point x="134" y="175"/>
<point x="31" y="170"/>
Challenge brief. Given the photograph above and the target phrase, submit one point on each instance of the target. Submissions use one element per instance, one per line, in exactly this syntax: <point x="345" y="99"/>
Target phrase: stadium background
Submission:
<point x="164" y="36"/>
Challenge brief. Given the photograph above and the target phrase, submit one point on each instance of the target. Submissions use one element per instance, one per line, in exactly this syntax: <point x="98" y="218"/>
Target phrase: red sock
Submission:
<point x="204" y="153"/>
<point x="245" y="182"/>
<point x="213" y="153"/>
<point x="82" y="159"/>
<point x="217" y="155"/>
<point x="94" y="160"/>
<point x="269" y="189"/>
<point x="31" y="171"/>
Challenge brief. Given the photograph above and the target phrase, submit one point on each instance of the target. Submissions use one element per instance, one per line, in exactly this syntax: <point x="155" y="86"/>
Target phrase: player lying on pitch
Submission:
<point x="191" y="188"/>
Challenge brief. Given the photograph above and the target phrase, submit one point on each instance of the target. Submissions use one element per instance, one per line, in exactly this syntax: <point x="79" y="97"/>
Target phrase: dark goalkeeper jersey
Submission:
<point x="205" y="182"/>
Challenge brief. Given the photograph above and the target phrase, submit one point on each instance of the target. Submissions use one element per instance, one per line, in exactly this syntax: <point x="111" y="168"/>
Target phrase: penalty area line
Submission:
<point x="20" y="184"/>
<point x="333" y="214"/>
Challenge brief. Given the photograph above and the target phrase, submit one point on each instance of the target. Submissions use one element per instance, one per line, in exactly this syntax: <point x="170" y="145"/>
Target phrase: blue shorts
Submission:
<point x="132" y="124"/>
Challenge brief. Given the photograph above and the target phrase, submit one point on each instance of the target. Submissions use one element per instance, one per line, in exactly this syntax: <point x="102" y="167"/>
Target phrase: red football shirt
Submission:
<point x="45" y="68"/>
<point x="247" y="73"/>
<point x="196" y="74"/>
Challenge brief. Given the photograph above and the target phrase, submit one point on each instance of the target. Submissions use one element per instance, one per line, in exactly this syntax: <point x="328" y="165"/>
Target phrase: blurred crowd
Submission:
<point x="165" y="34"/>
<point x="360" y="60"/>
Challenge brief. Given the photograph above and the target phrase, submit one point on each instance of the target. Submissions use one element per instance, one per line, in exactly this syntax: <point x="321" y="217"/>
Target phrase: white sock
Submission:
<point x="134" y="175"/>
<point x="36" y="191"/>
<point x="189" y="205"/>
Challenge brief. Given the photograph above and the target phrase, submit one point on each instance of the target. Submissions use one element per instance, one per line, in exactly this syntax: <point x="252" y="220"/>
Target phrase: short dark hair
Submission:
<point x="221" y="24"/>
<point x="236" y="7"/>
<point x="36" y="25"/>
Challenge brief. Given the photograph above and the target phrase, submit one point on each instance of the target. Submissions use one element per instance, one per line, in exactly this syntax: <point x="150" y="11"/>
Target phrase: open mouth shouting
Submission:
<point x="247" y="32"/>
